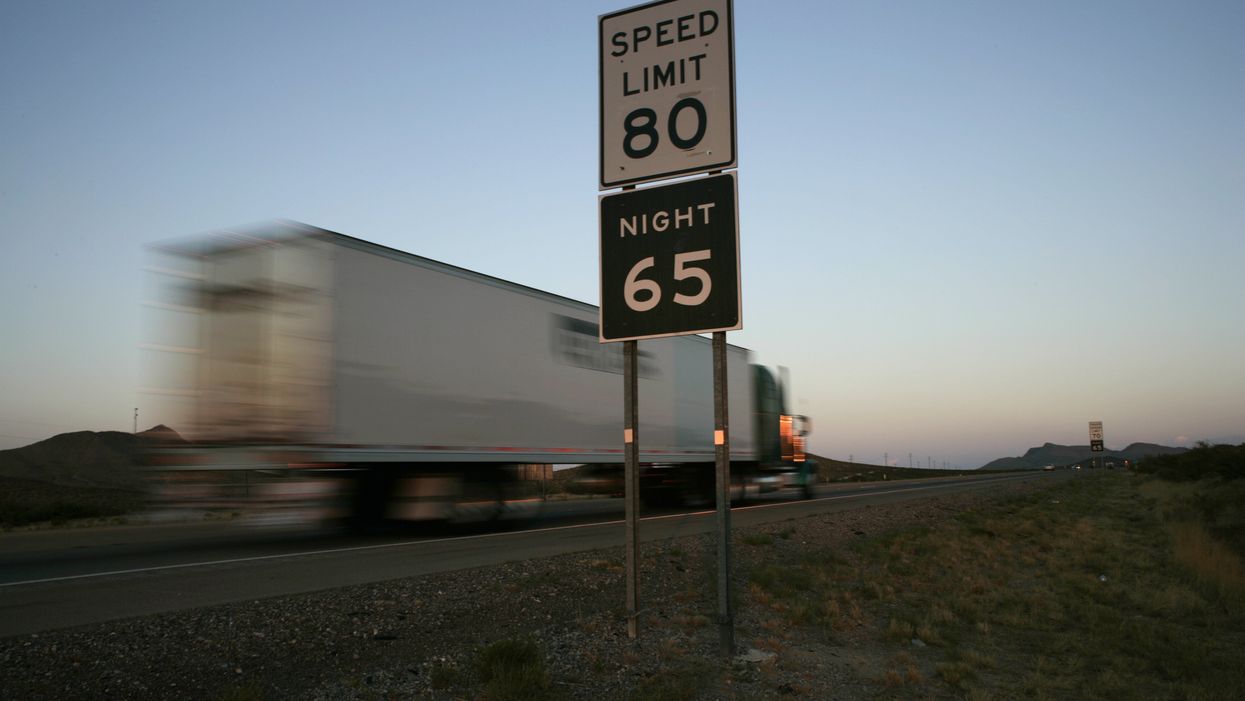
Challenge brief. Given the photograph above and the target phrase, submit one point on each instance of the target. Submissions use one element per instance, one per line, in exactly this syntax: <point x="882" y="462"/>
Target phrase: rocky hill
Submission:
<point x="1062" y="455"/>
<point x="85" y="458"/>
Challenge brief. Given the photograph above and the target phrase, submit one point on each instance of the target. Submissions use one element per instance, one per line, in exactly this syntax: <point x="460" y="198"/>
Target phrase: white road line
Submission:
<point x="408" y="543"/>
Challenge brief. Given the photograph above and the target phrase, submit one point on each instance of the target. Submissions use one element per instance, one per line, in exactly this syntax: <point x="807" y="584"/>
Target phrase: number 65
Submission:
<point x="682" y="271"/>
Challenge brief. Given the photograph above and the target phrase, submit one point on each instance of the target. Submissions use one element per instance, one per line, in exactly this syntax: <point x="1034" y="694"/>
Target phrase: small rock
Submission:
<point x="755" y="656"/>
<point x="917" y="642"/>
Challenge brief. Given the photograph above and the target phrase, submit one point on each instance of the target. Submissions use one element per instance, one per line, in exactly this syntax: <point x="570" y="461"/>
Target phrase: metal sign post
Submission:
<point x="631" y="486"/>
<point x="722" y="459"/>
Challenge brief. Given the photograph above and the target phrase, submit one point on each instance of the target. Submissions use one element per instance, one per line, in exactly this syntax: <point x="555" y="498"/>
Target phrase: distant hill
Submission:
<point x="85" y="458"/>
<point x="1061" y="455"/>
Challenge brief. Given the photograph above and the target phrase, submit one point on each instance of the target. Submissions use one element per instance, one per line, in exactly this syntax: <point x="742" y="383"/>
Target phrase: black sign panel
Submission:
<point x="1095" y="446"/>
<point x="670" y="260"/>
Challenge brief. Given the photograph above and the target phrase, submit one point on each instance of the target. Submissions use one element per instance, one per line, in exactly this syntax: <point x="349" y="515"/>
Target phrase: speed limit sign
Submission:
<point x="670" y="260"/>
<point x="667" y="91"/>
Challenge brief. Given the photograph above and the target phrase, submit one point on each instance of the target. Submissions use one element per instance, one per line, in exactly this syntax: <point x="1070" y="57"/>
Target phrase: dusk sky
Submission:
<point x="967" y="228"/>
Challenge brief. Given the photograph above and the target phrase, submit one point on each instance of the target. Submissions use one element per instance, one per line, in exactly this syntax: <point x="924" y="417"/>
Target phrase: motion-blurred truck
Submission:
<point x="298" y="356"/>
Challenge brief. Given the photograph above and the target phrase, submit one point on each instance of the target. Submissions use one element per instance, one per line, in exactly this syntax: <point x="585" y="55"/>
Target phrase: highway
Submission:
<point x="63" y="578"/>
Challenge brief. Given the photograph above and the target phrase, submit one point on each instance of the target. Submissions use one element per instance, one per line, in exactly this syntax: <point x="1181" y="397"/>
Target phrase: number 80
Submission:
<point x="643" y="122"/>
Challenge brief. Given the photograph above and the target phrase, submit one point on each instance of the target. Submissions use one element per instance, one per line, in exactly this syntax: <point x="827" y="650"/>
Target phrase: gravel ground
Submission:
<point x="418" y="638"/>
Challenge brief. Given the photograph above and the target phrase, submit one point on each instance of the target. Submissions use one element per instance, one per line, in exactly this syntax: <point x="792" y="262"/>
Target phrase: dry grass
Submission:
<point x="900" y="631"/>
<point x="957" y="674"/>
<point x="1212" y="562"/>
<point x="757" y="539"/>
<point x="606" y="565"/>
<point x="912" y="675"/>
<point x="512" y="670"/>
<point x="682" y="682"/>
<point x="1081" y="591"/>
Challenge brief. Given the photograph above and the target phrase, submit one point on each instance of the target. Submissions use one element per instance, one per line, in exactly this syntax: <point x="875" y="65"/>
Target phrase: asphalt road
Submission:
<point x="59" y="579"/>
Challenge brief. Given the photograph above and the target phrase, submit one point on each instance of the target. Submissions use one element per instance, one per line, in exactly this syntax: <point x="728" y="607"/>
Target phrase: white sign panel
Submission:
<point x="667" y="91"/>
<point x="1095" y="430"/>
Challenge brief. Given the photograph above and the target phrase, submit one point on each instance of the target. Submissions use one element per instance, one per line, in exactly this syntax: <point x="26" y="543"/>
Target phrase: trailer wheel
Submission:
<point x="809" y="473"/>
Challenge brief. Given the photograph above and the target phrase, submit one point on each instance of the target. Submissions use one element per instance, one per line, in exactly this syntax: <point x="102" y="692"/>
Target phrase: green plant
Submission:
<point x="442" y="674"/>
<point x="512" y="670"/>
<point x="1205" y="460"/>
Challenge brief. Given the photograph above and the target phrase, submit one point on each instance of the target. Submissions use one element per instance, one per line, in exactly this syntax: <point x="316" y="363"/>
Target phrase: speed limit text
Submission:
<point x="664" y="33"/>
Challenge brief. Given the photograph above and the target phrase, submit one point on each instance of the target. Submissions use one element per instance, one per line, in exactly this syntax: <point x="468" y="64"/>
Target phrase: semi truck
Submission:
<point x="308" y="364"/>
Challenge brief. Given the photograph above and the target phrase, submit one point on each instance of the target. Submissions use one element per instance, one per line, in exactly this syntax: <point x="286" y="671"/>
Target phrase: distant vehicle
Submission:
<point x="421" y="389"/>
<point x="1049" y="468"/>
<point x="1076" y="467"/>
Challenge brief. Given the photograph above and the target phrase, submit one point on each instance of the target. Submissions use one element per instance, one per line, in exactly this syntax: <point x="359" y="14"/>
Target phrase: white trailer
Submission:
<point x="295" y="348"/>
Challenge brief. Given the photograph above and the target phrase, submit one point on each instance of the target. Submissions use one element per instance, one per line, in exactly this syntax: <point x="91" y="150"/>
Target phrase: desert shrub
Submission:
<point x="1206" y="460"/>
<point x="513" y="670"/>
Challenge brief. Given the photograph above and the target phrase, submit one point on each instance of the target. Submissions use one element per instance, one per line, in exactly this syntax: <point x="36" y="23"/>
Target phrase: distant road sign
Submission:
<point x="667" y="91"/>
<point x="1095" y="436"/>
<point x="670" y="260"/>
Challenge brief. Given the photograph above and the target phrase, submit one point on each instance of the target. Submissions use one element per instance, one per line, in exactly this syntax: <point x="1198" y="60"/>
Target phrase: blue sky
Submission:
<point x="966" y="227"/>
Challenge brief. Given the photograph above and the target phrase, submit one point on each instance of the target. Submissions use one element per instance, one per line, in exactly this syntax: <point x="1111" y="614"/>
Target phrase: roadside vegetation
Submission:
<point x="1206" y="461"/>
<point x="1108" y="586"/>
<point x="512" y="670"/>
<point x="1200" y="495"/>
<point x="26" y="502"/>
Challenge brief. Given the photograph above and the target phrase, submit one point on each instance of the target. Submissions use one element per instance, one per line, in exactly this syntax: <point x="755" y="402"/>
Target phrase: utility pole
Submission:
<point x="136" y="421"/>
<point x="910" y="465"/>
